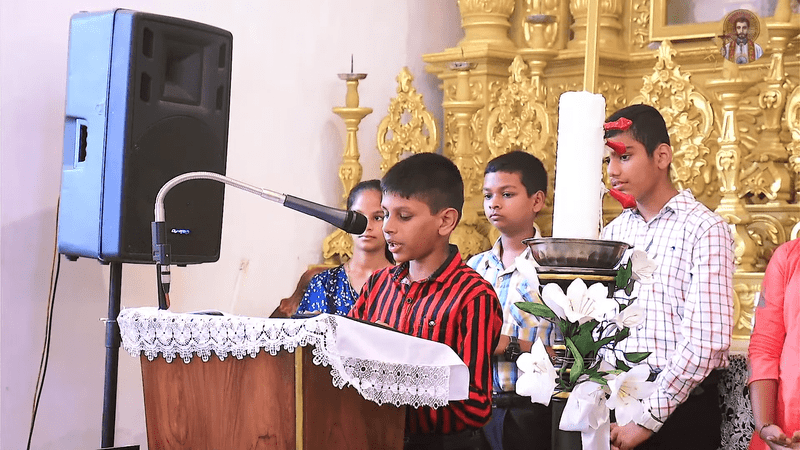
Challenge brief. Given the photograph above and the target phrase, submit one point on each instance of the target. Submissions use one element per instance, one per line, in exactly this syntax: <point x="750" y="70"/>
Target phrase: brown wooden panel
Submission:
<point x="231" y="404"/>
<point x="341" y="419"/>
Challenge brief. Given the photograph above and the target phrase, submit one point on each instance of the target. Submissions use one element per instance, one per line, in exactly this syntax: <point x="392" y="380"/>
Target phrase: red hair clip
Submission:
<point x="618" y="147"/>
<point x="626" y="200"/>
<point x="621" y="124"/>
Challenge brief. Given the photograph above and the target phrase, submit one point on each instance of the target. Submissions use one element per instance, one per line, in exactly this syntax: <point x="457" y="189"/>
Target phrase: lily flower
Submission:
<point x="629" y="317"/>
<point x="586" y="406"/>
<point x="528" y="271"/>
<point x="643" y="267"/>
<point x="538" y="379"/>
<point x="627" y="389"/>
<point x="579" y="304"/>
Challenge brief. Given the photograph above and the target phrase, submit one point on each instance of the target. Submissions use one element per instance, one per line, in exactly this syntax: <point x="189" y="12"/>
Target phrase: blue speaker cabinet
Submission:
<point x="148" y="99"/>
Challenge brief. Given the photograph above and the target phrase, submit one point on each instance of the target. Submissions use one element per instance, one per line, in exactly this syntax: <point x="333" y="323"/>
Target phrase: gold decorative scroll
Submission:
<point x="518" y="119"/>
<point x="408" y="127"/>
<point x="689" y="118"/>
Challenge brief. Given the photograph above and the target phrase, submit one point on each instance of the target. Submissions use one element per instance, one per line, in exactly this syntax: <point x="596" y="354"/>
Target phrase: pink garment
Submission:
<point x="775" y="343"/>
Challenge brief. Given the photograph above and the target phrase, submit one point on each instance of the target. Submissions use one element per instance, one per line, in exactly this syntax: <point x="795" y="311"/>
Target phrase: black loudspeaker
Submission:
<point x="148" y="98"/>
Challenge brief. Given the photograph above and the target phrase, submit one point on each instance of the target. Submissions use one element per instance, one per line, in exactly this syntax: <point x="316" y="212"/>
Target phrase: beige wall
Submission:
<point x="283" y="136"/>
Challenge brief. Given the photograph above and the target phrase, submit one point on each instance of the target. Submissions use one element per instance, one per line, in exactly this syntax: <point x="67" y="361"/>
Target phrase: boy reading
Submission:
<point x="514" y="191"/>
<point x="432" y="294"/>
<point x="689" y="309"/>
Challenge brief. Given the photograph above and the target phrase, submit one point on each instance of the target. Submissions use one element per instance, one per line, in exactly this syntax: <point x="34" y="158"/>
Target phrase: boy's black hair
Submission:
<point x="428" y="177"/>
<point x="648" y="126"/>
<point x="366" y="185"/>
<point x="530" y="169"/>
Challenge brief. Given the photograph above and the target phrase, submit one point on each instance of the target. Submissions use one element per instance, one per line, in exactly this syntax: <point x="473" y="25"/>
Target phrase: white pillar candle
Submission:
<point x="577" y="201"/>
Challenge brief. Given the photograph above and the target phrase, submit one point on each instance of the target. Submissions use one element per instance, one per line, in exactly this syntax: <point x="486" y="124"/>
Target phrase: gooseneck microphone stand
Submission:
<point x="349" y="221"/>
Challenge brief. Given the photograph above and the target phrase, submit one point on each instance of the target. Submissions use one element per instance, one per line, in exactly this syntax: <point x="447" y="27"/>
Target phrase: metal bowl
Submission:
<point x="564" y="252"/>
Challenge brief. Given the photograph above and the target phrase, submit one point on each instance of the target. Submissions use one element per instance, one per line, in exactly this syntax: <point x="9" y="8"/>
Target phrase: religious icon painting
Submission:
<point x="740" y="29"/>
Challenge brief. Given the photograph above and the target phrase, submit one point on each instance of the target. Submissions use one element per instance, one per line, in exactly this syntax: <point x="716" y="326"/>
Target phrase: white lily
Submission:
<point x="528" y="271"/>
<point x="643" y="267"/>
<point x="627" y="389"/>
<point x="629" y="317"/>
<point x="587" y="413"/>
<point x="538" y="379"/>
<point x="579" y="304"/>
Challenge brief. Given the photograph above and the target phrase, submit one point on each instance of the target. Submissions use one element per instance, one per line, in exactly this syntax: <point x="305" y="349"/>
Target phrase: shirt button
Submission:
<point x="408" y="300"/>
<point x="431" y="323"/>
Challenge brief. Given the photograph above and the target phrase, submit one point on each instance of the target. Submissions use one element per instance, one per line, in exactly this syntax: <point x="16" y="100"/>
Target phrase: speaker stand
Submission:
<point x="112" y="356"/>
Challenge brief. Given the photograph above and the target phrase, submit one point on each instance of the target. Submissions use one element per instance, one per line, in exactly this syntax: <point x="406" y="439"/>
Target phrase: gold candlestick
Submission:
<point x="340" y="243"/>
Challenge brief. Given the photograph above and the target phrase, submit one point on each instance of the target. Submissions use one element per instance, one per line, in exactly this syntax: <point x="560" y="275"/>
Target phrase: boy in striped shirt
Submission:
<point x="432" y="294"/>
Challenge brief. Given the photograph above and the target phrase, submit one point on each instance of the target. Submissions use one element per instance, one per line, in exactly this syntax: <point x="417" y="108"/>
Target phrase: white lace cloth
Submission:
<point x="385" y="366"/>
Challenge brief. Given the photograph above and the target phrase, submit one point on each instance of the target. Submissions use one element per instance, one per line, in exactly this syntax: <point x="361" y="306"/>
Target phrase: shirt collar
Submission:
<point x="400" y="273"/>
<point x="677" y="204"/>
<point x="494" y="254"/>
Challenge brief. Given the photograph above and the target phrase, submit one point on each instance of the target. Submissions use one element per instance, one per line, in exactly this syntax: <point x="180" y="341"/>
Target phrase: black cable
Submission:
<point x="55" y="268"/>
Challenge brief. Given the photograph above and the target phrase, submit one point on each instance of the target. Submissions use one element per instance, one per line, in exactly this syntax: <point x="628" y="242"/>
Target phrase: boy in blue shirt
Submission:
<point x="514" y="191"/>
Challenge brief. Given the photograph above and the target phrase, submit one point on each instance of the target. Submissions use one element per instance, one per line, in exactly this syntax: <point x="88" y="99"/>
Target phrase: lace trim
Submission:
<point x="150" y="331"/>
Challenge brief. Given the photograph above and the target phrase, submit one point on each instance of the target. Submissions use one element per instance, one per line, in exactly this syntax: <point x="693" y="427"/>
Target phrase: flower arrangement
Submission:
<point x="589" y="320"/>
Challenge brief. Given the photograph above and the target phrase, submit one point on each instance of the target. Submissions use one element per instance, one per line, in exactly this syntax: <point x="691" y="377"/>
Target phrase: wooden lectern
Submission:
<point x="268" y="402"/>
<point x="327" y="382"/>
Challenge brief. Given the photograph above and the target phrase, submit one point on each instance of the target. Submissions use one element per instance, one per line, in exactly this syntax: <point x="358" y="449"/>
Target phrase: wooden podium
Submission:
<point x="267" y="402"/>
<point x="326" y="382"/>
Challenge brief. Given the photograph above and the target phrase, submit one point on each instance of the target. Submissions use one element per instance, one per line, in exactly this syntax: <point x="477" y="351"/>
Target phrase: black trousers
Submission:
<point x="518" y="424"/>
<point x="694" y="425"/>
<point x="464" y="440"/>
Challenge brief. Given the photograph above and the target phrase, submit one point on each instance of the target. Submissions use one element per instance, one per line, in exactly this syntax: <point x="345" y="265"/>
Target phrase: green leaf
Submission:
<point x="629" y="288"/>
<point x="597" y="378"/>
<point x="583" y="339"/>
<point x="624" y="275"/>
<point x="577" y="366"/>
<point x="622" y="366"/>
<point x="636" y="357"/>
<point x="537" y="309"/>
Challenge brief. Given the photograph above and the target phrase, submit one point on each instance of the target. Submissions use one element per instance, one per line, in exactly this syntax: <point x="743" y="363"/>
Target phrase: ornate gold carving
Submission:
<point x="689" y="119"/>
<point x="767" y="232"/>
<point x="519" y="120"/>
<point x="337" y="245"/>
<point x="614" y="95"/>
<point x="409" y="126"/>
<point x="640" y="23"/>
<point x="745" y="287"/>
<point x="793" y="123"/>
<point x="469" y="240"/>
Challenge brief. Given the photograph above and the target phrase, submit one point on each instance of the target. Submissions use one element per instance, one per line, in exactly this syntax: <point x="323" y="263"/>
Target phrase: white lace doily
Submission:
<point x="383" y="365"/>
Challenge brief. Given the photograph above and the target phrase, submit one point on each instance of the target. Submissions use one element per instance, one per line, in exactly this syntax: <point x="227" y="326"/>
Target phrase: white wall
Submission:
<point x="283" y="136"/>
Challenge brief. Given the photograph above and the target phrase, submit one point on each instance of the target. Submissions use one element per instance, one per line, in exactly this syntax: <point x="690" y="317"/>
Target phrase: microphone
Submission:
<point x="349" y="221"/>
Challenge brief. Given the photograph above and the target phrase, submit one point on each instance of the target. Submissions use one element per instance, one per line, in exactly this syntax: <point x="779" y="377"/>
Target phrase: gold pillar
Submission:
<point x="609" y="26"/>
<point x="728" y="161"/>
<point x="467" y="235"/>
<point x="486" y="22"/>
<point x="765" y="176"/>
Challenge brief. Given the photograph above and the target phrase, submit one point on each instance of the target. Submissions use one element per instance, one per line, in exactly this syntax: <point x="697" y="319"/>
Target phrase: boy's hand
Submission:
<point x="628" y="436"/>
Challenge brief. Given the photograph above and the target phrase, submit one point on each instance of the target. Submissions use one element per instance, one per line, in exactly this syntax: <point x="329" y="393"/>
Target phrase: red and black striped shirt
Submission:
<point x="455" y="306"/>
